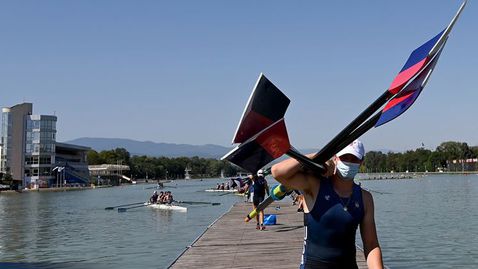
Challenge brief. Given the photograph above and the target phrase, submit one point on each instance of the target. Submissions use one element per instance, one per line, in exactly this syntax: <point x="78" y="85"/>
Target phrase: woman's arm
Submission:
<point x="373" y="253"/>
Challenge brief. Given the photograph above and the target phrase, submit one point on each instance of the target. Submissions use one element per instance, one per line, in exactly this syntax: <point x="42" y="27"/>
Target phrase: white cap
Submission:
<point x="260" y="173"/>
<point x="355" y="148"/>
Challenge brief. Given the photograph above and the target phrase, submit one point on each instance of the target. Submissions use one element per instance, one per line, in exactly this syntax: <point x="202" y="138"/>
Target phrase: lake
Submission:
<point x="429" y="222"/>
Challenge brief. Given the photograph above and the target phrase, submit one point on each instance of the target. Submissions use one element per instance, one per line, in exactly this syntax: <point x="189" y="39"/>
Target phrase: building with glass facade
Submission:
<point x="28" y="151"/>
<point x="5" y="136"/>
<point x="39" y="155"/>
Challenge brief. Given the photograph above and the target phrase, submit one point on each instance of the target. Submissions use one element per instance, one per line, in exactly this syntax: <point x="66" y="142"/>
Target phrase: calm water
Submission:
<point x="74" y="229"/>
<point x="430" y="222"/>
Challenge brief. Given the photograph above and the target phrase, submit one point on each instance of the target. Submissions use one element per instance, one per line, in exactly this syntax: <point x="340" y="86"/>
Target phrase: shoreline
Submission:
<point x="410" y="175"/>
<point x="47" y="190"/>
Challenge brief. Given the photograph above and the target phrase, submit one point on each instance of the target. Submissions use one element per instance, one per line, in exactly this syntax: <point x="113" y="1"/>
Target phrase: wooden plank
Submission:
<point x="231" y="243"/>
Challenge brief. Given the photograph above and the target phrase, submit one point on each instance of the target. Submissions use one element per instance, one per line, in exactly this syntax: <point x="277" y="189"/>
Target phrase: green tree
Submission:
<point x="452" y="150"/>
<point x="93" y="158"/>
<point x="474" y="151"/>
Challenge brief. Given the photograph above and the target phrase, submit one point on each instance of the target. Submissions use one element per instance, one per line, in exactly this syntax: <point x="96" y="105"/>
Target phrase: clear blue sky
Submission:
<point x="182" y="71"/>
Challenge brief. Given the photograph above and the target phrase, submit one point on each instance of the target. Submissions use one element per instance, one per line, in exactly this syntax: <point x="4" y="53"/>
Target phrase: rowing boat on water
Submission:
<point x="167" y="207"/>
<point x="214" y="190"/>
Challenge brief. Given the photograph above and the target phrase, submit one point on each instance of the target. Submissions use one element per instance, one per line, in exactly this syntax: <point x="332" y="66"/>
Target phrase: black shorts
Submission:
<point x="256" y="200"/>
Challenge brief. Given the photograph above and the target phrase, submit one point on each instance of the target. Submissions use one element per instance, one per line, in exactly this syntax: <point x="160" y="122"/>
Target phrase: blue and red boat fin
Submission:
<point x="262" y="148"/>
<point x="266" y="105"/>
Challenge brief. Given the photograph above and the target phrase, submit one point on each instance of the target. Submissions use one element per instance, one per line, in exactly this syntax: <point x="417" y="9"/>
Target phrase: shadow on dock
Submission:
<point x="231" y="243"/>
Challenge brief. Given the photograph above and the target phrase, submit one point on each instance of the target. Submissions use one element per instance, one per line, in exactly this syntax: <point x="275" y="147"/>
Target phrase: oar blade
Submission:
<point x="122" y="209"/>
<point x="409" y="94"/>
<point x="415" y="63"/>
<point x="109" y="208"/>
<point x="261" y="149"/>
<point x="266" y="105"/>
<point x="421" y="56"/>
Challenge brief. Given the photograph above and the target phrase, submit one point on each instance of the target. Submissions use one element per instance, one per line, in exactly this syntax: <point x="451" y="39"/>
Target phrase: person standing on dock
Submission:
<point x="247" y="188"/>
<point x="334" y="208"/>
<point x="260" y="187"/>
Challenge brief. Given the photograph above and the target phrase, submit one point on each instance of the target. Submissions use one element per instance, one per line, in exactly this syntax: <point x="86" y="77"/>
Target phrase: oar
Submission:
<point x="155" y="187"/>
<point x="159" y="187"/>
<point x="405" y="89"/>
<point x="277" y="193"/>
<point x="421" y="59"/>
<point x="113" y="207"/>
<point x="272" y="141"/>
<point x="262" y="131"/>
<point x="123" y="209"/>
<point x="196" y="203"/>
<point x="418" y="81"/>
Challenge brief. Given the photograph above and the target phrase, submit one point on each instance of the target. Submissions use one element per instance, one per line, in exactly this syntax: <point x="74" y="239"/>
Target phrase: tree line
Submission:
<point x="446" y="157"/>
<point x="162" y="167"/>
<point x="418" y="160"/>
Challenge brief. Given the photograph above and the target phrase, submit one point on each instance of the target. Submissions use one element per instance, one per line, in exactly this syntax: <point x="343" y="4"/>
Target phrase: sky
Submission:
<point x="182" y="71"/>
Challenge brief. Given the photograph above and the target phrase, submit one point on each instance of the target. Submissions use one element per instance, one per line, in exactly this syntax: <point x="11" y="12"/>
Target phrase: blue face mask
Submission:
<point x="346" y="170"/>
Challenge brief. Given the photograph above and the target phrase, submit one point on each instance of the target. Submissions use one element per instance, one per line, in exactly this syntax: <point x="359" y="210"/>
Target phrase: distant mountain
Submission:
<point x="162" y="149"/>
<point x="151" y="148"/>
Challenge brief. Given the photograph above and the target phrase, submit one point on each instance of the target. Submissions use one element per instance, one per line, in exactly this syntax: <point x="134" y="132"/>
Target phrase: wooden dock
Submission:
<point x="231" y="243"/>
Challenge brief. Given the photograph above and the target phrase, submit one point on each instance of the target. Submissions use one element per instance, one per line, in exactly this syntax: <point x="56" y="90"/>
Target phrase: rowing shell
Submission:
<point x="167" y="207"/>
<point x="213" y="190"/>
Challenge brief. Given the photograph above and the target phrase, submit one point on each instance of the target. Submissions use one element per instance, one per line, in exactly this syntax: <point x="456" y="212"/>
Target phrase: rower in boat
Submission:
<point x="160" y="198"/>
<point x="154" y="198"/>
<point x="167" y="198"/>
